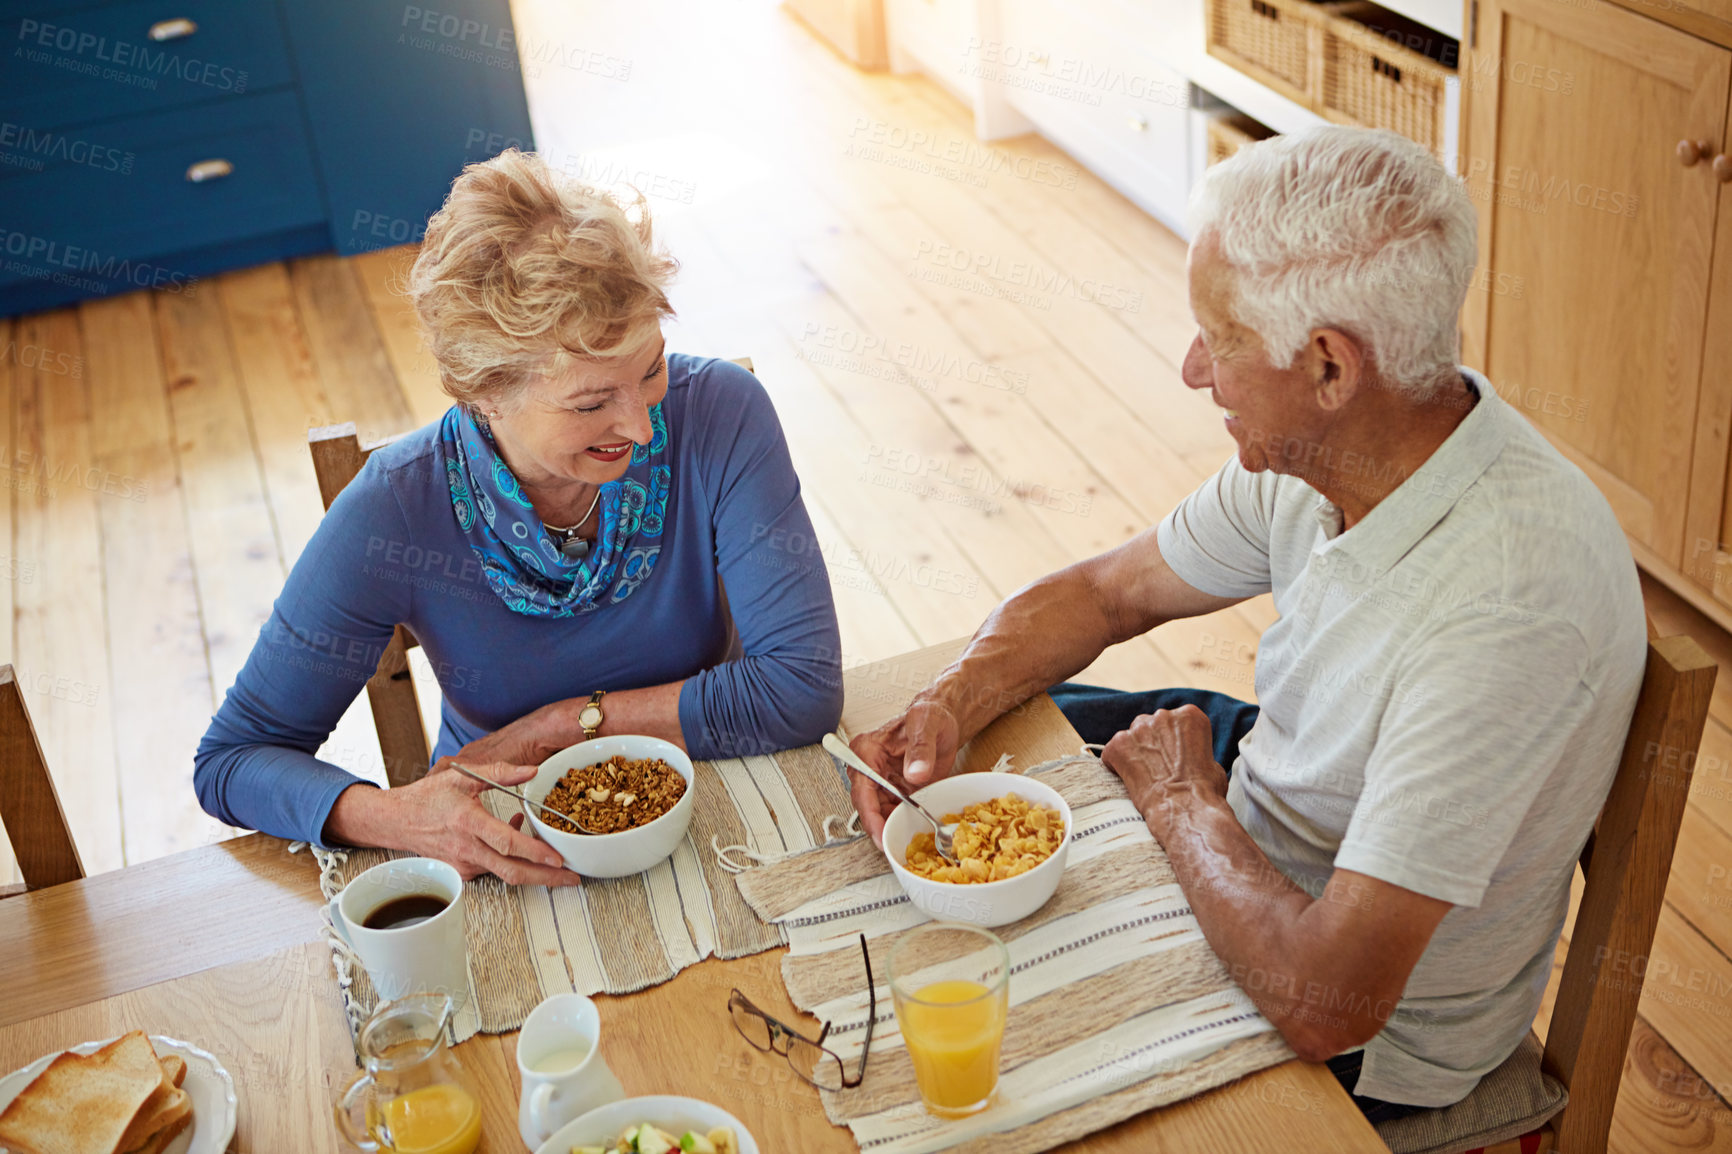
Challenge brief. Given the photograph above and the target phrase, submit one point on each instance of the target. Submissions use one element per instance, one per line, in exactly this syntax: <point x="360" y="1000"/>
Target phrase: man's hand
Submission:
<point x="912" y="751"/>
<point x="441" y="816"/>
<point x="1164" y="753"/>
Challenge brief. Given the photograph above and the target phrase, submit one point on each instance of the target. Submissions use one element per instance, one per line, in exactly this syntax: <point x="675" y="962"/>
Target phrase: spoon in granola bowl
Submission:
<point x="941" y="833"/>
<point x="566" y="817"/>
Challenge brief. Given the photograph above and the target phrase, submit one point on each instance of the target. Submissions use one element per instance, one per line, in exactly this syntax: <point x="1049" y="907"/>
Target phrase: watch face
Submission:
<point x="590" y="717"/>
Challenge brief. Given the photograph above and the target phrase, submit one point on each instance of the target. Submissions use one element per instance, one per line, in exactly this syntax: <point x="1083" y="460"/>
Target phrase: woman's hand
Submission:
<point x="912" y="751"/>
<point x="441" y="816"/>
<point x="530" y="740"/>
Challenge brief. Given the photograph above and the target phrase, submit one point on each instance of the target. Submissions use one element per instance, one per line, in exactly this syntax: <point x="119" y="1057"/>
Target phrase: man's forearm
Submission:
<point x="1045" y="633"/>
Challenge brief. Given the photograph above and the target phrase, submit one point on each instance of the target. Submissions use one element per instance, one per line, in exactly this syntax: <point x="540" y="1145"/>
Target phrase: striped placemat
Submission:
<point x="527" y="943"/>
<point x="1117" y="1002"/>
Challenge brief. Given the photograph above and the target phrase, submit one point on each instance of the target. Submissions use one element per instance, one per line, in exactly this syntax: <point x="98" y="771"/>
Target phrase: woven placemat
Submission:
<point x="527" y="943"/>
<point x="1117" y="1003"/>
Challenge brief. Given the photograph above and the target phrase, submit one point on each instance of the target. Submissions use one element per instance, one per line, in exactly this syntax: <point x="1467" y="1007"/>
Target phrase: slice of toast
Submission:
<point x="161" y="1128"/>
<point x="176" y="1067"/>
<point x="84" y="1104"/>
<point x="167" y="1105"/>
<point x="159" y="1141"/>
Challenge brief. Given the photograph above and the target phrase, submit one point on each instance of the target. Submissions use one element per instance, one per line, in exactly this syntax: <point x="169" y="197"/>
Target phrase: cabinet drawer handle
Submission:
<point x="209" y="170"/>
<point x="1690" y="151"/>
<point x="1138" y="123"/>
<point x="177" y="29"/>
<point x="1723" y="168"/>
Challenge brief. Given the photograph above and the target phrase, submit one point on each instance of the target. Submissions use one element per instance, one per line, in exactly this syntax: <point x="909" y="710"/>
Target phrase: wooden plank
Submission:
<point x="162" y="698"/>
<point x="382" y="275"/>
<point x="285" y="396"/>
<point x="228" y="518"/>
<point x="358" y="379"/>
<point x="1687" y="995"/>
<point x="1664" y="1105"/>
<point x="62" y="657"/>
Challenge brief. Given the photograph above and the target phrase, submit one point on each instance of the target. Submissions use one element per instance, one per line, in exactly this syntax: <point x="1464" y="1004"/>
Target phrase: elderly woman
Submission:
<point x="558" y="542"/>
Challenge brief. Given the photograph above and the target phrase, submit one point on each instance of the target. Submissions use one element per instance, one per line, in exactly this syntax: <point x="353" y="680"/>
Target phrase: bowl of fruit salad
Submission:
<point x="654" y="1125"/>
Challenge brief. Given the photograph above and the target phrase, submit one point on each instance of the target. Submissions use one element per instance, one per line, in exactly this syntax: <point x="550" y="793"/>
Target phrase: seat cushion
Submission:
<point x="1508" y="1102"/>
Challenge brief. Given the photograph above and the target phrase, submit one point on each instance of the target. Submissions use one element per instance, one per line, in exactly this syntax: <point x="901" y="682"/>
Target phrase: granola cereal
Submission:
<point x="614" y="795"/>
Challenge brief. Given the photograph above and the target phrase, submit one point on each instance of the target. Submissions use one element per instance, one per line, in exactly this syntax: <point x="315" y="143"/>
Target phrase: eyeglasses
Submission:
<point x="808" y="1057"/>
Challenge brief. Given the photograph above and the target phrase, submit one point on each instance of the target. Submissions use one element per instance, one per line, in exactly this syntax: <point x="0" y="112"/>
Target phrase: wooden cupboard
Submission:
<point x="1595" y="145"/>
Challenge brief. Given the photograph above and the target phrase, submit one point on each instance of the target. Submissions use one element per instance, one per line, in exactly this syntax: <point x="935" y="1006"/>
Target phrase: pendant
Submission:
<point x="575" y="549"/>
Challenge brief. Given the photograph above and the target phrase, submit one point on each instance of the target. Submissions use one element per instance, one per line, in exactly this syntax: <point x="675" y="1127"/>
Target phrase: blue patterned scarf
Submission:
<point x="518" y="556"/>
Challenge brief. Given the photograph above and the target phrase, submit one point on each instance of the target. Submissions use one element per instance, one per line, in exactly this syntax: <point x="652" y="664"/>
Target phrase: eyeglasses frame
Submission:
<point x="780" y="1030"/>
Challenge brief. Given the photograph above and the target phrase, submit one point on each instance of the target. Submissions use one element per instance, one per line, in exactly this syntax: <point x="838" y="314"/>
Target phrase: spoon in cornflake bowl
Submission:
<point x="472" y="776"/>
<point x="941" y="833"/>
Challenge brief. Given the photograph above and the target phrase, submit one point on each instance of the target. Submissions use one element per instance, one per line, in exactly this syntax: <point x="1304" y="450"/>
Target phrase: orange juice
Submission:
<point x="439" y="1119"/>
<point x="953" y="1031"/>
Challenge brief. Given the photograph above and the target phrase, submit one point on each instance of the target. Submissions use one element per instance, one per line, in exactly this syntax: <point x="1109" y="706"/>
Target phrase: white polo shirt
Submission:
<point x="1444" y="700"/>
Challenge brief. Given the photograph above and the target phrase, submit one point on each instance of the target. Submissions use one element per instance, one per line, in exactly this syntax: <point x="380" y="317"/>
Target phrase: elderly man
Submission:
<point x="1390" y="838"/>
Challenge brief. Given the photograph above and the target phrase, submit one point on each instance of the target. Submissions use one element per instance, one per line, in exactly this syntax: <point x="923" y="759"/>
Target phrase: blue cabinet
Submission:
<point x="153" y="143"/>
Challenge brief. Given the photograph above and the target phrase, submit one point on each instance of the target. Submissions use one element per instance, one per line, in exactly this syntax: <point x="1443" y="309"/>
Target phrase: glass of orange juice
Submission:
<point x="411" y="1096"/>
<point x="951" y="986"/>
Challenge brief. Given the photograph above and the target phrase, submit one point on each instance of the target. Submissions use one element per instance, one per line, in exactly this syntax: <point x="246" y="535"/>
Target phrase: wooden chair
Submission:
<point x="338" y="456"/>
<point x="1625" y="865"/>
<point x="29" y="805"/>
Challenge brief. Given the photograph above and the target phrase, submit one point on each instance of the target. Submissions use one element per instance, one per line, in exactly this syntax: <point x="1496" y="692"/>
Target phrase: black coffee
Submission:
<point x="401" y="913"/>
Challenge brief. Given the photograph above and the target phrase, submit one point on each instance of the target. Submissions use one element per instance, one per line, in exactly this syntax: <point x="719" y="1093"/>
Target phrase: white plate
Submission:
<point x="601" y="1126"/>
<point x="208" y="1085"/>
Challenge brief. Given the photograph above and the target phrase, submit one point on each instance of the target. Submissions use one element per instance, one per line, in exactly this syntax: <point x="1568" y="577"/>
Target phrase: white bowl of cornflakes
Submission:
<point x="1010" y="830"/>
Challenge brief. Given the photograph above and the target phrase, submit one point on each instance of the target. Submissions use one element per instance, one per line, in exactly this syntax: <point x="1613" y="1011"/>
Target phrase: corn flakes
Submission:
<point x="994" y="840"/>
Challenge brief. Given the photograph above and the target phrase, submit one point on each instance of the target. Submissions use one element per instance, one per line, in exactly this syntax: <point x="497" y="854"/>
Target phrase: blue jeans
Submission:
<point x="1097" y="714"/>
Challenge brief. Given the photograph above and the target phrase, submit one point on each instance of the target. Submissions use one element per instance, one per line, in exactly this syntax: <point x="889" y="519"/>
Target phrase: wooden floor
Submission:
<point x="958" y="433"/>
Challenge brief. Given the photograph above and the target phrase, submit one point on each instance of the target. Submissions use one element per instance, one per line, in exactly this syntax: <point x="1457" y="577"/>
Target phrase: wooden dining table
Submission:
<point x="221" y="947"/>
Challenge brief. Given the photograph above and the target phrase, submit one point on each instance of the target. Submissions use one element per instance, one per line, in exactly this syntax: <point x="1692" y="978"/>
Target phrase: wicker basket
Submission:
<point x="1277" y="42"/>
<point x="1228" y="134"/>
<point x="1385" y="71"/>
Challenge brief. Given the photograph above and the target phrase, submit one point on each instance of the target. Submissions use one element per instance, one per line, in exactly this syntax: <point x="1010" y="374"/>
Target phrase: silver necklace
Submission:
<point x="571" y="546"/>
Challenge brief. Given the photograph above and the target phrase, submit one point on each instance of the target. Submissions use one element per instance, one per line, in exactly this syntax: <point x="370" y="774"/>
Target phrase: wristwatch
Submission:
<point x="591" y="717"/>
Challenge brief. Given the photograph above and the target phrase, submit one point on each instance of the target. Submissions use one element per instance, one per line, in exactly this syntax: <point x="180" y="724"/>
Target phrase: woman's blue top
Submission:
<point x="759" y="652"/>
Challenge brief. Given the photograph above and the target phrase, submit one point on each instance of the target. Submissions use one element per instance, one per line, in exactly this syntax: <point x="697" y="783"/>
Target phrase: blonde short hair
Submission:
<point x="525" y="268"/>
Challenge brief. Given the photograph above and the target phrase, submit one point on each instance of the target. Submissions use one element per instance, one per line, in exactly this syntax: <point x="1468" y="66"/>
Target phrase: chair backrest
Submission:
<point x="338" y="457"/>
<point x="29" y="805"/>
<point x="1625" y="865"/>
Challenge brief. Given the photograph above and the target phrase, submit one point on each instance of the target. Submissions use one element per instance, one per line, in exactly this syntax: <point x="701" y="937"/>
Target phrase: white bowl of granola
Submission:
<point x="601" y="1128"/>
<point x="629" y="850"/>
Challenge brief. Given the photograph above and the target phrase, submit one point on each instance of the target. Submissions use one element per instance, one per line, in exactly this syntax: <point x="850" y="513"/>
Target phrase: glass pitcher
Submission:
<point x="412" y="1096"/>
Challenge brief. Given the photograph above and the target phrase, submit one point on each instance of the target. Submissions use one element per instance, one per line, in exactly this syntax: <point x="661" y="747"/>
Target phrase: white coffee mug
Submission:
<point x="559" y="1060"/>
<point x="427" y="957"/>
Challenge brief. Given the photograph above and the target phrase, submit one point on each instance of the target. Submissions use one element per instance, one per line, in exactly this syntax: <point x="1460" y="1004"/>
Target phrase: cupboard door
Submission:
<point x="1708" y="540"/>
<point x="1594" y="243"/>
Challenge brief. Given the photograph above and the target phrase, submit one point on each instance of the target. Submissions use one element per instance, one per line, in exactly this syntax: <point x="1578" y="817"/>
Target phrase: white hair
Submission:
<point x="1356" y="229"/>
